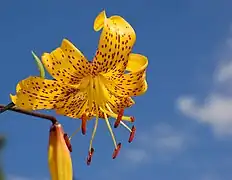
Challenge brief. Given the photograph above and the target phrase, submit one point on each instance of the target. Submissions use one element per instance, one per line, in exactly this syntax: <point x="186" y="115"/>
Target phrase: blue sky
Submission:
<point x="184" y="121"/>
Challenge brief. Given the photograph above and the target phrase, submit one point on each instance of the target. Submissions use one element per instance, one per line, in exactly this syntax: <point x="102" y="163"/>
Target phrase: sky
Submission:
<point x="184" y="121"/>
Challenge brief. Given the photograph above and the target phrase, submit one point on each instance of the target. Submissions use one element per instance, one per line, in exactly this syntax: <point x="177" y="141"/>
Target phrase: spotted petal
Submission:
<point x="115" y="101"/>
<point x="115" y="44"/>
<point x="119" y="103"/>
<point x="36" y="93"/>
<point x="74" y="105"/>
<point x="67" y="64"/>
<point x="132" y="83"/>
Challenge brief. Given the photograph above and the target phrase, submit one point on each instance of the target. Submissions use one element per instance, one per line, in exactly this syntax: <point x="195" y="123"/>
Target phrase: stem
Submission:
<point x="8" y="106"/>
<point x="30" y="113"/>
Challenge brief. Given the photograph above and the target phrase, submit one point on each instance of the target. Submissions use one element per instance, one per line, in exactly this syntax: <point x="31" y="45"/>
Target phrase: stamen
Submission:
<point x="74" y="133"/>
<point x="110" y="129"/>
<point x="119" y="118"/>
<point x="132" y="134"/>
<point x="125" y="126"/>
<point x="132" y="131"/>
<point x="90" y="94"/>
<point x="132" y="119"/>
<point x="68" y="142"/>
<point x="83" y="124"/>
<point x="116" y="151"/>
<point x="112" y="114"/>
<point x="90" y="155"/>
<point x="93" y="134"/>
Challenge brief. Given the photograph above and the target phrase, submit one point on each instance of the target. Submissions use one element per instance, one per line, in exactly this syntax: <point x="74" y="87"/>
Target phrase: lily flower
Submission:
<point x="102" y="88"/>
<point x="59" y="158"/>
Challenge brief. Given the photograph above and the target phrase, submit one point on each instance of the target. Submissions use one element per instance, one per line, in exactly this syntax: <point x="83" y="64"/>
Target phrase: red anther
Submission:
<point x="67" y="141"/>
<point x="83" y="123"/>
<point x="119" y="118"/>
<point x="132" y="119"/>
<point x="132" y="134"/>
<point x="90" y="155"/>
<point x="116" y="151"/>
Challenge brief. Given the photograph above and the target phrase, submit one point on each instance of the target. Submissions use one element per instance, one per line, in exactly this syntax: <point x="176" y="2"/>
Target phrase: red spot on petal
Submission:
<point x="116" y="151"/>
<point x="132" y="134"/>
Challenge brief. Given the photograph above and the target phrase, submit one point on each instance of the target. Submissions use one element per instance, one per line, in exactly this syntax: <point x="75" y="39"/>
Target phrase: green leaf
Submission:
<point x="39" y="64"/>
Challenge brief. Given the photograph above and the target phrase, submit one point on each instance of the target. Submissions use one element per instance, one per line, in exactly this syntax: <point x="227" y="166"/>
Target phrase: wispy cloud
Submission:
<point x="18" y="177"/>
<point x="136" y="155"/>
<point x="161" y="142"/>
<point x="210" y="176"/>
<point x="216" y="109"/>
<point x="225" y="72"/>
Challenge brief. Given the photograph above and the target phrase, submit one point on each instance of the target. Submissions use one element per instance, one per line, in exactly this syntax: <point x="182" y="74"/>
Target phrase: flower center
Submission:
<point x="98" y="98"/>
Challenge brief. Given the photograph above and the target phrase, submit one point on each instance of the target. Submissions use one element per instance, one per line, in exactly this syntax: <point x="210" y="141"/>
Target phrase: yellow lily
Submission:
<point x="59" y="157"/>
<point x="83" y="89"/>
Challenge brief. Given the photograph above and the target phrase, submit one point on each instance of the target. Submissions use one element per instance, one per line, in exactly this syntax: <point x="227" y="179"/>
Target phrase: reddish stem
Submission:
<point x="30" y="113"/>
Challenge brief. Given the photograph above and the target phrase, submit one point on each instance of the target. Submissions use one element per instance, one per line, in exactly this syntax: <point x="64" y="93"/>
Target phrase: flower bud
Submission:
<point x="59" y="158"/>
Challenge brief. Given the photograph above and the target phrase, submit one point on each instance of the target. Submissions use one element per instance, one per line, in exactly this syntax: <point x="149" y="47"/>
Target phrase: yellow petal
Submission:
<point x="59" y="158"/>
<point x="99" y="21"/>
<point x="120" y="103"/>
<point x="67" y="64"/>
<point x="115" y="44"/>
<point x="132" y="83"/>
<point x="114" y="101"/>
<point x="35" y="93"/>
<point x="74" y="106"/>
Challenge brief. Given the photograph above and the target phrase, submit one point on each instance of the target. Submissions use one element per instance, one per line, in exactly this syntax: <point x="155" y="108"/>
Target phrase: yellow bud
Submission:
<point x="59" y="158"/>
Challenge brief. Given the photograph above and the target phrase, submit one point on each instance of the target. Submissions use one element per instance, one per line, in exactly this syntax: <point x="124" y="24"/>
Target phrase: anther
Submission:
<point x="132" y="119"/>
<point x="119" y="118"/>
<point x="67" y="141"/>
<point x="132" y="134"/>
<point x="116" y="151"/>
<point x="83" y="123"/>
<point x="90" y="155"/>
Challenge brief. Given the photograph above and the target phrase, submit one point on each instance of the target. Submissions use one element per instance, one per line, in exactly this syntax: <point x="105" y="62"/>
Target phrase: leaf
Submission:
<point x="39" y="64"/>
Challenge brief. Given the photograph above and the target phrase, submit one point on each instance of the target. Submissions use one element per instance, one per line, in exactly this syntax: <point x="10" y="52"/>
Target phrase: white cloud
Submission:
<point x="225" y="72"/>
<point x="216" y="109"/>
<point x="161" y="141"/>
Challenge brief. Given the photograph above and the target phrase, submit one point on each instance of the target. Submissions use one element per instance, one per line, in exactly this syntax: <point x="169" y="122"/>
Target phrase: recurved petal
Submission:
<point x="59" y="158"/>
<point x="67" y="64"/>
<point x="115" y="44"/>
<point x="35" y="93"/>
<point x="120" y="103"/>
<point x="132" y="83"/>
